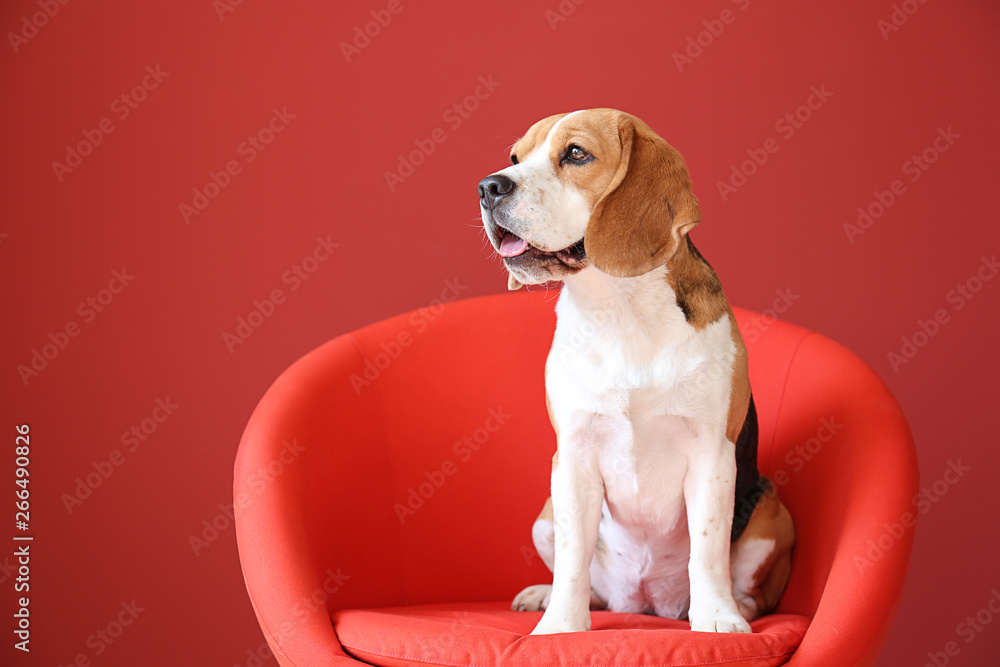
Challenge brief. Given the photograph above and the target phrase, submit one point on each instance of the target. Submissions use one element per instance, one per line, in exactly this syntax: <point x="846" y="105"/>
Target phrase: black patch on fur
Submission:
<point x="696" y="252"/>
<point x="711" y="282"/>
<point x="750" y="485"/>
<point x="686" y="285"/>
<point x="684" y="306"/>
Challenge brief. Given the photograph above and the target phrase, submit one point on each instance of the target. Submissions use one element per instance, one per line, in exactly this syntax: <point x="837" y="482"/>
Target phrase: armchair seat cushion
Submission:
<point x="489" y="633"/>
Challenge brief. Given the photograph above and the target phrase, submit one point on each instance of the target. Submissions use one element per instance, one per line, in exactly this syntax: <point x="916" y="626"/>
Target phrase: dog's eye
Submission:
<point x="577" y="155"/>
<point x="513" y="159"/>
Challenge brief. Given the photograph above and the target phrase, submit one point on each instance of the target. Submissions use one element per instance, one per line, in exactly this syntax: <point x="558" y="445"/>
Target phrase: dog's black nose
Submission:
<point x="493" y="188"/>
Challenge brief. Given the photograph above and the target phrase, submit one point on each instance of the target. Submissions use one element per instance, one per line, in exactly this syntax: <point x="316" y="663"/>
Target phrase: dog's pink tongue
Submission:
<point x="512" y="246"/>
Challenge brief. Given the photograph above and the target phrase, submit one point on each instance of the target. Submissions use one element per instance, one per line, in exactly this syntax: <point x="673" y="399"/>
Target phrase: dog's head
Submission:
<point x="595" y="186"/>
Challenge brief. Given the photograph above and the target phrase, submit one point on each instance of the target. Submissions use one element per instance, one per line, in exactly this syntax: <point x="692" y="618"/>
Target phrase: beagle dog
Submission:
<point x="646" y="386"/>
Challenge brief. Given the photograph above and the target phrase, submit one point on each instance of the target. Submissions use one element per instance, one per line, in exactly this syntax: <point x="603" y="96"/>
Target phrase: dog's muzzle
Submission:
<point x="515" y="250"/>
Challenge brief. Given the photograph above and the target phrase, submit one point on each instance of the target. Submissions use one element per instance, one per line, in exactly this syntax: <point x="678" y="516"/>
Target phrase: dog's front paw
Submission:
<point x="553" y="623"/>
<point x="532" y="598"/>
<point x="719" y="620"/>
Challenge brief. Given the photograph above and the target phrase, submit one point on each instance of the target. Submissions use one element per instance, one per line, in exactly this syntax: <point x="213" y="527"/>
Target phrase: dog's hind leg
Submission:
<point x="761" y="559"/>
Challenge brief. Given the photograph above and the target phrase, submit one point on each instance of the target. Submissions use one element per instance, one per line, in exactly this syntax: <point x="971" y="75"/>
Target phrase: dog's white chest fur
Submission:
<point x="647" y="388"/>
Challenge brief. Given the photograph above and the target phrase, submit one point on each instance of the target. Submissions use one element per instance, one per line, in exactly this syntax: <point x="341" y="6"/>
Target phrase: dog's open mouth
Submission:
<point x="514" y="247"/>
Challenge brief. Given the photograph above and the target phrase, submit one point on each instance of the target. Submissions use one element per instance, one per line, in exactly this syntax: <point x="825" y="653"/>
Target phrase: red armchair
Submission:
<point x="386" y="485"/>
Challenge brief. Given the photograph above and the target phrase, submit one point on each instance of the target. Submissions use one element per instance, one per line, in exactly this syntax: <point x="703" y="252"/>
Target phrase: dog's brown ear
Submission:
<point x="513" y="283"/>
<point x="647" y="209"/>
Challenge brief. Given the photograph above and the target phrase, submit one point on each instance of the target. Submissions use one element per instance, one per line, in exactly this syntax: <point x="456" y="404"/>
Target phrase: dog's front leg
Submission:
<point x="709" y="493"/>
<point x="577" y="497"/>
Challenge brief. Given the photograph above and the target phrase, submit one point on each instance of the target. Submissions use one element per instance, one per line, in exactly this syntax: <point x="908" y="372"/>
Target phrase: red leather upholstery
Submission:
<point x="404" y="463"/>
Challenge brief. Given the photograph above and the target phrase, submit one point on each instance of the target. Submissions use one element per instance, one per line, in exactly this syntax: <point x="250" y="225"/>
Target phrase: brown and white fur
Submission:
<point x="646" y="385"/>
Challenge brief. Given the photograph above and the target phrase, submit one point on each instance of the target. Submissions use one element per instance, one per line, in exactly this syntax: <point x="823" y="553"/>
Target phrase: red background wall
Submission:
<point x="324" y="176"/>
